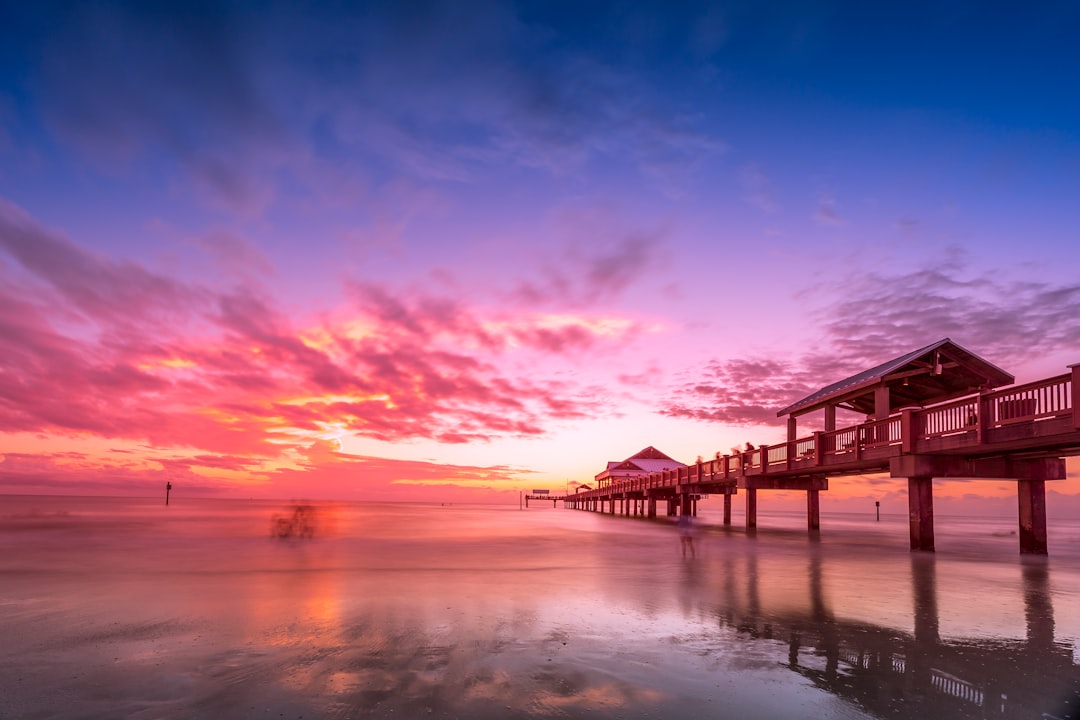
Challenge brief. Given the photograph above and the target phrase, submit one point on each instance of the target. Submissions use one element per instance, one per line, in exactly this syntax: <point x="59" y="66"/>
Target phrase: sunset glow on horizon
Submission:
<point x="426" y="252"/>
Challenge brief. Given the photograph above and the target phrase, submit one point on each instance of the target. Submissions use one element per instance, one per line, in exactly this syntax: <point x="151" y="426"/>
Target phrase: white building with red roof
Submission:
<point x="649" y="460"/>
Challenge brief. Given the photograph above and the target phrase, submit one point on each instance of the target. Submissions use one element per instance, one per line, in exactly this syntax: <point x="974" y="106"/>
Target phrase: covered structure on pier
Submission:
<point x="933" y="376"/>
<point x="937" y="373"/>
<point x="639" y="465"/>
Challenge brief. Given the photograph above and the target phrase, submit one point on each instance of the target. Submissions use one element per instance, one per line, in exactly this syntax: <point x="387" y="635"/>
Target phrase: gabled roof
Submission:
<point x="649" y="460"/>
<point x="651" y="453"/>
<point x="938" y="372"/>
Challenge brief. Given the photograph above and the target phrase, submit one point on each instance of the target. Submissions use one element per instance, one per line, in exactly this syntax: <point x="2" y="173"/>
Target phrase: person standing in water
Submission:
<point x="686" y="535"/>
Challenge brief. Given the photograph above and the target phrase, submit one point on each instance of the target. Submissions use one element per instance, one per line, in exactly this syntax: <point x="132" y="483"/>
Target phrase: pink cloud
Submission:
<point x="68" y="473"/>
<point x="325" y="474"/>
<point x="97" y="348"/>
<point x="339" y="475"/>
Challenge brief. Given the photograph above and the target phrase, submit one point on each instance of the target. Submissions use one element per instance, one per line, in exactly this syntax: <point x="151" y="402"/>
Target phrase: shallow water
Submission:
<point x="125" y="608"/>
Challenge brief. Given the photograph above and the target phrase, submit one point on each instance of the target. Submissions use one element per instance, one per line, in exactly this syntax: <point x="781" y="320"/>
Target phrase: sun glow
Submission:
<point x="346" y="399"/>
<point x="174" y="363"/>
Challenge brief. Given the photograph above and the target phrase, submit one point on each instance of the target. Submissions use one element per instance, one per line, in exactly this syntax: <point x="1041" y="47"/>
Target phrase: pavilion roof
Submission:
<point x="649" y="460"/>
<point x="936" y="373"/>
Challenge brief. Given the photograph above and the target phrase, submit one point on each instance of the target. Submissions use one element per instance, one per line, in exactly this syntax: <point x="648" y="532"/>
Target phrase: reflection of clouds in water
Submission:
<point x="601" y="618"/>
<point x="409" y="672"/>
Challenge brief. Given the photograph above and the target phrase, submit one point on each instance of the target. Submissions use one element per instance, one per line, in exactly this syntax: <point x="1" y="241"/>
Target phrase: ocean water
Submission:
<point x="122" y="607"/>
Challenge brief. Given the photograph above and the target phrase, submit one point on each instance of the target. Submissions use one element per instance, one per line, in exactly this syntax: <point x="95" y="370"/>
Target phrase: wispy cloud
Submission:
<point x="881" y="316"/>
<point x="598" y="260"/>
<point x="240" y="106"/>
<point x="827" y="212"/>
<point x="132" y="84"/>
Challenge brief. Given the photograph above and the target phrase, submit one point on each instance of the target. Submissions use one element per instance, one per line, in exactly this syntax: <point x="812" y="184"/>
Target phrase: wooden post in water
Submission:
<point x="813" y="510"/>
<point x="877" y="509"/>
<point x="727" y="506"/>
<point x="921" y="512"/>
<point x="1032" y="500"/>
<point x="168" y="487"/>
<point x="751" y="508"/>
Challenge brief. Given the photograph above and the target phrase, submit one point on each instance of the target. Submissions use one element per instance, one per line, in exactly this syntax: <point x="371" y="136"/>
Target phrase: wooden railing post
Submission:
<point x="764" y="450"/>
<point x="819" y="447"/>
<point x="982" y="417"/>
<point x="907" y="431"/>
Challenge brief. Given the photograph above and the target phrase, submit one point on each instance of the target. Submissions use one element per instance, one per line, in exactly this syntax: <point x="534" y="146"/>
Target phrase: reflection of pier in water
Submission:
<point x="894" y="673"/>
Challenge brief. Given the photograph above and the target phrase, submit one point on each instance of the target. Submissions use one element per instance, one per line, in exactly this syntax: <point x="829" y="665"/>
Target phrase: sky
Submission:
<point x="453" y="251"/>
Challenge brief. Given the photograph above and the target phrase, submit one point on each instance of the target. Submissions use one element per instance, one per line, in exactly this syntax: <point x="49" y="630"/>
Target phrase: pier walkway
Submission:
<point x="1020" y="433"/>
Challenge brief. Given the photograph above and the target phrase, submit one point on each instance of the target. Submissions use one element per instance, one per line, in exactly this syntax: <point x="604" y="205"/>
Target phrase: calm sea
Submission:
<point x="122" y="607"/>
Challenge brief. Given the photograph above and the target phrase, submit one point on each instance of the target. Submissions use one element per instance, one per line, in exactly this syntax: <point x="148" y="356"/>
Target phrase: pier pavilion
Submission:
<point x="638" y="465"/>
<point x="931" y="375"/>
<point x="621" y="473"/>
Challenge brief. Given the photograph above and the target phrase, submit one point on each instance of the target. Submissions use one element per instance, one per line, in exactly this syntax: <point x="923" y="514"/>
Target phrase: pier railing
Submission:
<point x="980" y="419"/>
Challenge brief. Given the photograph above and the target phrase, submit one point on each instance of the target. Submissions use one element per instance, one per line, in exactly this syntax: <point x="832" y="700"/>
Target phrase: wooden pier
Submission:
<point x="1020" y="433"/>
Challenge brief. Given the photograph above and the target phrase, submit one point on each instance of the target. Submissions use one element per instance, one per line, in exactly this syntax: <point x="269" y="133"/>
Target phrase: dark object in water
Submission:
<point x="300" y="524"/>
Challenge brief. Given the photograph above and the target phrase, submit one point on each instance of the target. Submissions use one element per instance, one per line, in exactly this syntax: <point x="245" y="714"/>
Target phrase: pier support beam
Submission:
<point x="652" y="507"/>
<point x="1032" y="500"/>
<point x="727" y="507"/>
<point x="1029" y="474"/>
<point x="921" y="512"/>
<point x="813" y="510"/>
<point x="686" y="504"/>
<point x="751" y="508"/>
<point x="808" y="484"/>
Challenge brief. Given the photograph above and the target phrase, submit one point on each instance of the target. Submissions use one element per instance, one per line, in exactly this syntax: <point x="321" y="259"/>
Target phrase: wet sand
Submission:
<point x="122" y="608"/>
